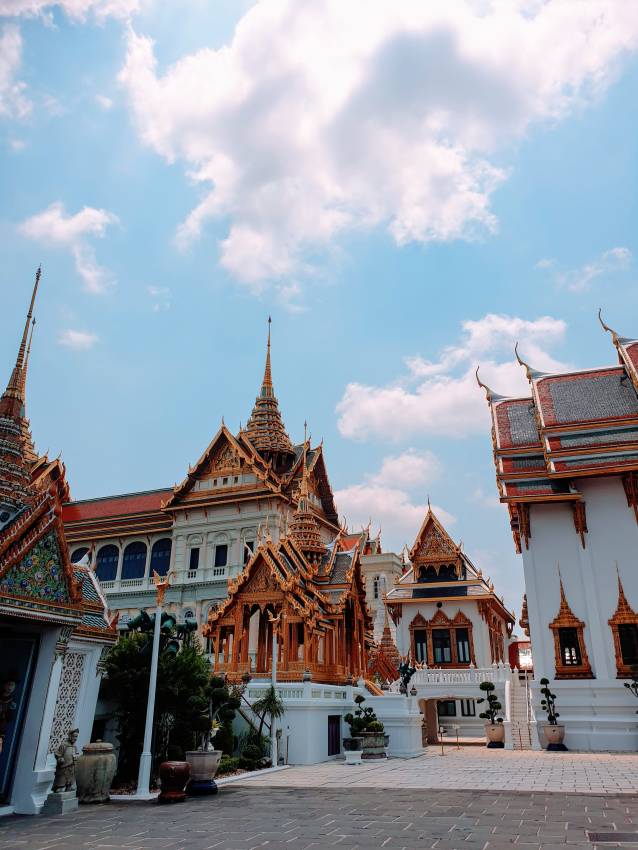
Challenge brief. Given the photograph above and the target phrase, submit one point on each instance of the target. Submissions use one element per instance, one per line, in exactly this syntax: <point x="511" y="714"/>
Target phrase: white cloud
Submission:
<point x="104" y="102"/>
<point x="13" y="100"/>
<point x="77" y="340"/>
<point x="442" y="397"/>
<point x="383" y="497"/>
<point x="17" y="145"/>
<point x="53" y="226"/>
<point x="77" y="10"/>
<point x="161" y="297"/>
<point x="580" y="279"/>
<point x="320" y="118"/>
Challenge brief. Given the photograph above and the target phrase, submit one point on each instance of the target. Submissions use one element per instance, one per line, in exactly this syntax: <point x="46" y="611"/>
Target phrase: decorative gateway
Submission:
<point x="312" y="595"/>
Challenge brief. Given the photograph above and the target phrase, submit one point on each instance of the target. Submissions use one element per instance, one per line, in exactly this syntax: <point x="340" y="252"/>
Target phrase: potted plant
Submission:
<point x="365" y="726"/>
<point x="210" y="710"/>
<point x="494" y="730"/>
<point x="554" y="731"/>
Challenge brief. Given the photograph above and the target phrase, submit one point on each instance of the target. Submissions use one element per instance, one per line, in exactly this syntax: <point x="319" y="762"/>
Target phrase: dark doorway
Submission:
<point x="334" y="734"/>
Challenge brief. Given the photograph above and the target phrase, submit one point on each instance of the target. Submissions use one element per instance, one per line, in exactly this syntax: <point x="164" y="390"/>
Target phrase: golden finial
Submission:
<point x="267" y="382"/>
<point x="26" y="360"/>
<point x="162" y="583"/>
<point x="531" y="373"/>
<point x="15" y="387"/>
<point x="606" y="327"/>
<point x="490" y="395"/>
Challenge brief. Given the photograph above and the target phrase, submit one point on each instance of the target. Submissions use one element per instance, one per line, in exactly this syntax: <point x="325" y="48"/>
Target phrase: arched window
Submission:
<point x="134" y="560"/>
<point x="78" y="554"/>
<point x="161" y="556"/>
<point x="106" y="563"/>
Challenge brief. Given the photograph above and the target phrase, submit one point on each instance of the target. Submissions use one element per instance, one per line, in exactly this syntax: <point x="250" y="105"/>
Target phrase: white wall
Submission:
<point x="598" y="713"/>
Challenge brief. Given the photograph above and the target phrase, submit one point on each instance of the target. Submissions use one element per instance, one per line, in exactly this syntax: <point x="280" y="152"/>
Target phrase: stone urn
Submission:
<point x="173" y="778"/>
<point x="555" y="735"/>
<point x="495" y="734"/>
<point x="353" y="748"/>
<point x="373" y="745"/>
<point x="204" y="764"/>
<point x="94" y="772"/>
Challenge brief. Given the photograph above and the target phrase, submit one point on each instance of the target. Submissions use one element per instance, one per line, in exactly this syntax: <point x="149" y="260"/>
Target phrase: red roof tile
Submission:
<point x="128" y="503"/>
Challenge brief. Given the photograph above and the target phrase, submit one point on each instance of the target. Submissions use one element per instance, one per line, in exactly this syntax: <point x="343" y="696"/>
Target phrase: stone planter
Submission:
<point x="373" y="745"/>
<point x="554" y="735"/>
<point x="173" y="778"/>
<point x="94" y="772"/>
<point x="352" y="748"/>
<point x="386" y="744"/>
<point x="204" y="764"/>
<point x="495" y="734"/>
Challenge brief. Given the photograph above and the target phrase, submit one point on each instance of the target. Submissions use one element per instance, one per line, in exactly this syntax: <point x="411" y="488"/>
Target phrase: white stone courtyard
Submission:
<point x="471" y="768"/>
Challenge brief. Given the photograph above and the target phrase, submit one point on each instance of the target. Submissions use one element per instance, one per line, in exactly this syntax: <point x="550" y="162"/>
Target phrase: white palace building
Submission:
<point x="566" y="460"/>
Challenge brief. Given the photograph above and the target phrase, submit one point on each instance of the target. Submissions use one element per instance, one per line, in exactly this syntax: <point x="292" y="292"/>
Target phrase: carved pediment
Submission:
<point x="262" y="581"/>
<point x="440" y="619"/>
<point x="418" y="622"/>
<point x="461" y="620"/>
<point x="433" y="543"/>
<point x="225" y="458"/>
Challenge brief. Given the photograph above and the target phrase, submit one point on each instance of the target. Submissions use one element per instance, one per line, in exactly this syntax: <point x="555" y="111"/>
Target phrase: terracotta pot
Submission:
<point x="94" y="772"/>
<point x="495" y="734"/>
<point x="373" y="745"/>
<point x="203" y="764"/>
<point x="353" y="745"/>
<point x="555" y="735"/>
<point x="173" y="778"/>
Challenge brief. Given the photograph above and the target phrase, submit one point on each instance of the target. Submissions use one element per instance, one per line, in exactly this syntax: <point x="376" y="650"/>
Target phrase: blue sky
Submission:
<point x="407" y="196"/>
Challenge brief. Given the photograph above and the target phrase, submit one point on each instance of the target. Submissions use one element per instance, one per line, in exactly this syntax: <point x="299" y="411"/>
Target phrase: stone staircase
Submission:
<point x="519" y="715"/>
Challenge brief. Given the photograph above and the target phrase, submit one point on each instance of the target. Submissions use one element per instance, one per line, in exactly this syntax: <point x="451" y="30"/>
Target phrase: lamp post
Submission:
<point x="274" y="622"/>
<point x="162" y="584"/>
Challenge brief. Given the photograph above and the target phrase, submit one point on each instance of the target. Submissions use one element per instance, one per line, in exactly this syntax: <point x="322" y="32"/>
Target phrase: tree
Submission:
<point x="213" y="711"/>
<point x="494" y="707"/>
<point x="180" y="675"/>
<point x="271" y="705"/>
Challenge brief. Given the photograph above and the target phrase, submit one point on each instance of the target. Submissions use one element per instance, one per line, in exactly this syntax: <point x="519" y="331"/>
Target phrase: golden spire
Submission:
<point x="265" y="428"/>
<point x="15" y="387"/>
<point x="15" y="480"/>
<point x="266" y="385"/>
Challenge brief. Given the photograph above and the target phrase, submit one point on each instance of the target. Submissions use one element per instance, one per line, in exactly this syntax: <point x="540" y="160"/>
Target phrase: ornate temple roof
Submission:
<point x="265" y="428"/>
<point x="572" y="424"/>
<point x="453" y="573"/>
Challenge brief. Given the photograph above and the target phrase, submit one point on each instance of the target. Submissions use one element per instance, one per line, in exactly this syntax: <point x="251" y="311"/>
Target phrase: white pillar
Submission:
<point x="144" y="775"/>
<point x="273" y="725"/>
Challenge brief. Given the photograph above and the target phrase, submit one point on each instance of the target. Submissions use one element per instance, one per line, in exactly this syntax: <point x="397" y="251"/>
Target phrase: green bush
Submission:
<point x="250" y="757"/>
<point x="228" y="764"/>
<point x="363" y="719"/>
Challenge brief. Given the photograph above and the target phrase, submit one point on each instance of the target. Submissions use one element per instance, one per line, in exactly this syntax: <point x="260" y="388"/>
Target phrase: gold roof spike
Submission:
<point x="15" y="481"/>
<point x="265" y="428"/>
<point x="29" y="447"/>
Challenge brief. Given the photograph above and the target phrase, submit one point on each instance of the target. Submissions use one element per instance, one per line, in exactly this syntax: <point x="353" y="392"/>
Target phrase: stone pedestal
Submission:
<point x="353" y="757"/>
<point x="60" y="802"/>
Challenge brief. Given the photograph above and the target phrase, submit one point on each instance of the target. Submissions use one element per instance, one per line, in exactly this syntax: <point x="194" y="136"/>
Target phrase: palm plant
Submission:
<point x="269" y="705"/>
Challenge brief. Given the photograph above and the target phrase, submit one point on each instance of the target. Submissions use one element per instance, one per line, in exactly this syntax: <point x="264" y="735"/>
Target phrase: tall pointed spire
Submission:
<point x="29" y="448"/>
<point x="265" y="428"/>
<point x="15" y="477"/>
<point x="15" y="387"/>
<point x="266" y="386"/>
<point x="304" y="527"/>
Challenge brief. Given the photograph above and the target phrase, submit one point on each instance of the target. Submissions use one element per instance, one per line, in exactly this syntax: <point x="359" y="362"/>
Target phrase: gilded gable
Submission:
<point x="40" y="574"/>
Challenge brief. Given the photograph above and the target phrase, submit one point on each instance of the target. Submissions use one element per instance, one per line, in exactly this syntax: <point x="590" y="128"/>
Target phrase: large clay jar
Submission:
<point x="495" y="734"/>
<point x="173" y="778"/>
<point x="94" y="772"/>
<point x="204" y="764"/>
<point x="554" y="735"/>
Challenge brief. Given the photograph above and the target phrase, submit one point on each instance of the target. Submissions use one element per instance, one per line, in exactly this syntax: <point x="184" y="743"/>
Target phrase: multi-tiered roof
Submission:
<point x="572" y="425"/>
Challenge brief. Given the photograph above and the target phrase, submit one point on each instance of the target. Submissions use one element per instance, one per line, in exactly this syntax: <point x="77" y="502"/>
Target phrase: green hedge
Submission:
<point x="228" y="764"/>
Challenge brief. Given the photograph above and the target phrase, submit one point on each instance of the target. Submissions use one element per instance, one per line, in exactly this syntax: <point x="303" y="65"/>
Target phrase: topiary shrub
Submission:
<point x="228" y="764"/>
<point x="251" y="757"/>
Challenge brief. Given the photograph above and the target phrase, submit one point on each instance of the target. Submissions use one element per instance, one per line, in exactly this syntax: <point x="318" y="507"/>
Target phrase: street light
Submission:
<point x="274" y="622"/>
<point x="162" y="583"/>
